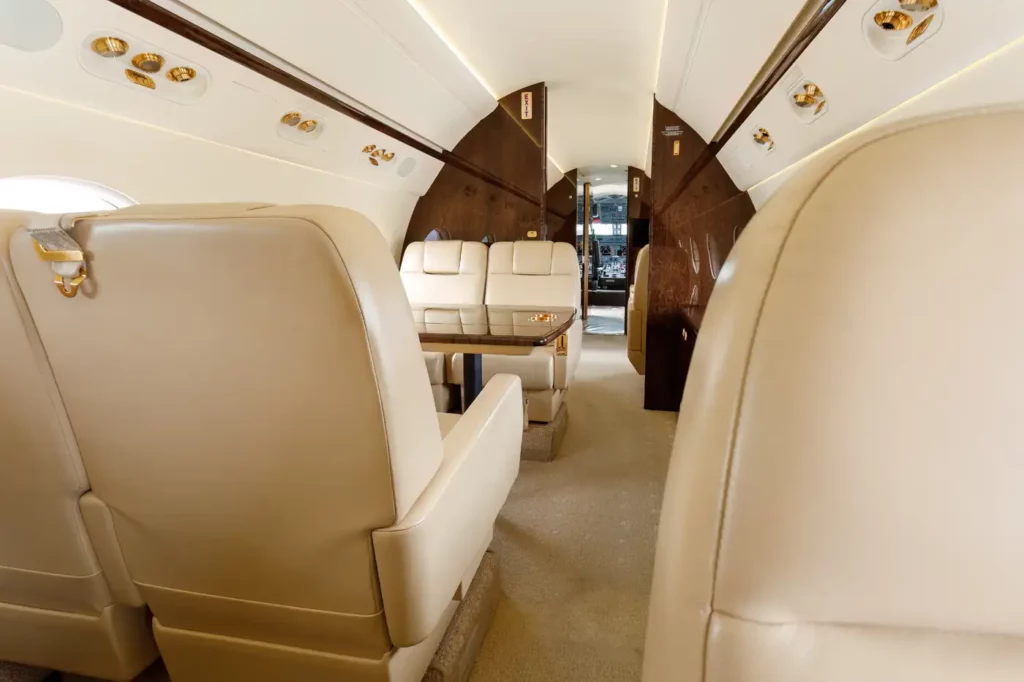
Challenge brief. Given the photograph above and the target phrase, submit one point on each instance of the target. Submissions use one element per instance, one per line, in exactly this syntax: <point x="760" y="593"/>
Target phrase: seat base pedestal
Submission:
<point x="542" y="441"/>
<point x="461" y="644"/>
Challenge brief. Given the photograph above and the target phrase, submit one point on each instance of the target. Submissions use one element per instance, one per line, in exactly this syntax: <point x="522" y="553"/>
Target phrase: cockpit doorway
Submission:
<point x="602" y="247"/>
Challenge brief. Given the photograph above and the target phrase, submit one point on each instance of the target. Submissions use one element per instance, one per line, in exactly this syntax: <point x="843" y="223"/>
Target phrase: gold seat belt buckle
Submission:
<point x="54" y="245"/>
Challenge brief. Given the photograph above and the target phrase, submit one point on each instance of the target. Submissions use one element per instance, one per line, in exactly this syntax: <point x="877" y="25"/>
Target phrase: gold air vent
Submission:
<point x="919" y="5"/>
<point x="110" y="47"/>
<point x="891" y="20"/>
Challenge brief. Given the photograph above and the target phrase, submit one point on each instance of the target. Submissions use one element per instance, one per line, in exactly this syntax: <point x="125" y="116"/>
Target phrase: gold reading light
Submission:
<point x="919" y="5"/>
<point x="149" y="62"/>
<point x="892" y="20"/>
<point x="110" y="47"/>
<point x="376" y="155"/>
<point x="292" y="118"/>
<point x="920" y="29"/>
<point x="140" y="79"/>
<point x="308" y="126"/>
<point x="181" y="74"/>
<point x="812" y="96"/>
<point x="763" y="137"/>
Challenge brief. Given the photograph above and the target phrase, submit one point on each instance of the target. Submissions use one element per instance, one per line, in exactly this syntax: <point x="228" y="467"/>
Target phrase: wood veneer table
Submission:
<point x="474" y="330"/>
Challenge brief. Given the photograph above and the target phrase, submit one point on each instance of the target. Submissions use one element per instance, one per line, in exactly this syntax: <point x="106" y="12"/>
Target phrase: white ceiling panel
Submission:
<point x="861" y="85"/>
<point x="713" y="50"/>
<point x="380" y="53"/>
<point x="599" y="60"/>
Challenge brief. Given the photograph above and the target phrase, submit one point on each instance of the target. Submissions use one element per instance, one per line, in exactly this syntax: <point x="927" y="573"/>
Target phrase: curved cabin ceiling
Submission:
<point x="434" y="68"/>
<point x="598" y="59"/>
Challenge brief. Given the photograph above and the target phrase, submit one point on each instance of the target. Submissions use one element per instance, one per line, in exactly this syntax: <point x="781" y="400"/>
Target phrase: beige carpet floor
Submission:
<point x="576" y="537"/>
<point x="575" y="540"/>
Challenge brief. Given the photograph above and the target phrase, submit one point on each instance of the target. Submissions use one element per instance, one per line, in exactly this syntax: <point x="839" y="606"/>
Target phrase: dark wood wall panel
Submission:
<point x="562" y="202"/>
<point x="507" y="146"/>
<point x="638" y="207"/>
<point x="691" y="236"/>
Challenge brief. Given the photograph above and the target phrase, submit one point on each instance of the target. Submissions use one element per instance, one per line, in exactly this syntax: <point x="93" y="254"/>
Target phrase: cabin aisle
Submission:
<point x="576" y="537"/>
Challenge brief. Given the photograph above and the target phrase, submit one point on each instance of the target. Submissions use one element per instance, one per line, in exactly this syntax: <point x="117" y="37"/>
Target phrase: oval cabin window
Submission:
<point x="46" y="194"/>
<point x="438" y="235"/>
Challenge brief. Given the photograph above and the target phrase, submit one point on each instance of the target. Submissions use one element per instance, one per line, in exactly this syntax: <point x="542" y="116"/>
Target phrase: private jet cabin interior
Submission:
<point x="348" y="339"/>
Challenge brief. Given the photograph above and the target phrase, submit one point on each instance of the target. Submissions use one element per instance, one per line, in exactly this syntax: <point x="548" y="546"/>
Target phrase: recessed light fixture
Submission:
<point x="597" y="179"/>
<point x="140" y="79"/>
<point x="292" y="118"/>
<point x="308" y="126"/>
<point x="150" y="62"/>
<point x="613" y="166"/>
<point x="919" y="5"/>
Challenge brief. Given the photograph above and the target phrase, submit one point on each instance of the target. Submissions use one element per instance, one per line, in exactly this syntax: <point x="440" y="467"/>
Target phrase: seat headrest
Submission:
<point x="448" y="257"/>
<point x="442" y="257"/>
<point x="533" y="258"/>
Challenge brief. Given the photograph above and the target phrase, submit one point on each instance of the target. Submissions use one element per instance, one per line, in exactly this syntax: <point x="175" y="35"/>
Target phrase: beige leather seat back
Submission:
<point x="533" y="274"/>
<point x="844" y="500"/>
<point x="449" y="272"/>
<point x="637" y="310"/>
<point x="250" y="400"/>
<point x="57" y="608"/>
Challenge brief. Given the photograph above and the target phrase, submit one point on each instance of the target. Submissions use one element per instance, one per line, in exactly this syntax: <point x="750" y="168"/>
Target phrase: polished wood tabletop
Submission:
<point x="492" y="325"/>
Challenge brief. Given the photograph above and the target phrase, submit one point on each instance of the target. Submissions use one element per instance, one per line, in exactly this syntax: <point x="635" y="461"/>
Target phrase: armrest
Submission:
<point x="565" y="373"/>
<point x="422" y="559"/>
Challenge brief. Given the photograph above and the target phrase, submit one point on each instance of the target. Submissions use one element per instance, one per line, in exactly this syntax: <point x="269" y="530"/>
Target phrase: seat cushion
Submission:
<point x="435" y="367"/>
<point x="537" y="370"/>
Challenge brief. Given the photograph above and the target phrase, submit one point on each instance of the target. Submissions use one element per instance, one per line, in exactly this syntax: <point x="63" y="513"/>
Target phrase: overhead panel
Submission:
<point x="865" y="69"/>
<point x="409" y="76"/>
<point x="727" y="43"/>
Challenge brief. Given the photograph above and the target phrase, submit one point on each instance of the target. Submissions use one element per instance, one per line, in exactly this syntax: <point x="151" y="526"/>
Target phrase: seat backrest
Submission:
<point x="643" y="266"/>
<point x="46" y="559"/>
<point x="533" y="273"/>
<point x="445" y="272"/>
<point x="844" y="496"/>
<point x="250" y="400"/>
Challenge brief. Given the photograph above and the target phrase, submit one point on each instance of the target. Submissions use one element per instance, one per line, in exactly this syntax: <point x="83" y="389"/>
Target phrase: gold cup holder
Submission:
<point x="292" y="118"/>
<point x="150" y="62"/>
<point x="181" y="74"/>
<point x="892" y="20"/>
<point x="920" y="29"/>
<point x="919" y="5"/>
<point x="140" y="79"/>
<point x="110" y="47"/>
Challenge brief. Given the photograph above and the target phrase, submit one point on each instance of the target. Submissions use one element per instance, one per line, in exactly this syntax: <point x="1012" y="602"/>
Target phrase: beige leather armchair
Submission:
<point x="636" y="309"/>
<point x="533" y="274"/>
<point x="260" y="424"/>
<point x="450" y="272"/>
<point x="844" y="497"/>
<point x="66" y="601"/>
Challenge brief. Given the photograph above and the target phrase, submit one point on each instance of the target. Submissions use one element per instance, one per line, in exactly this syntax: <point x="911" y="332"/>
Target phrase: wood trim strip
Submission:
<point x="172" y="22"/>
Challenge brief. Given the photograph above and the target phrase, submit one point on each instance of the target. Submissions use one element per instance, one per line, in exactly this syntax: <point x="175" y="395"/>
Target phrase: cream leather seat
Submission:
<point x="637" y="310"/>
<point x="844" y="499"/>
<point x="66" y="601"/>
<point x="533" y="274"/>
<point x="250" y="400"/>
<point x="450" y="272"/>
